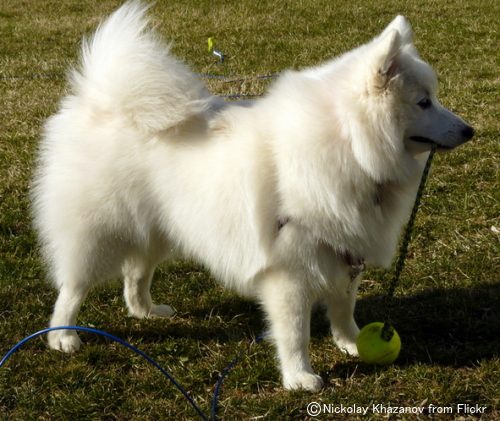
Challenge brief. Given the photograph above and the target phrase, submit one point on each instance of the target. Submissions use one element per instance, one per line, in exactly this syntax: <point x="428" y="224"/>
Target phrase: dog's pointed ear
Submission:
<point x="385" y="57"/>
<point x="401" y="24"/>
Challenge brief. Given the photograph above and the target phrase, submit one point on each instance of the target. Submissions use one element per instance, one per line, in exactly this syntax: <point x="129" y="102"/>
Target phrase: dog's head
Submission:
<point x="400" y="72"/>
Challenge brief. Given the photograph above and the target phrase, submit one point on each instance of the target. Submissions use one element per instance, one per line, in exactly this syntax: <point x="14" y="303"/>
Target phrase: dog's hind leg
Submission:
<point x="138" y="274"/>
<point x="288" y="306"/>
<point x="340" y="303"/>
<point x="72" y="291"/>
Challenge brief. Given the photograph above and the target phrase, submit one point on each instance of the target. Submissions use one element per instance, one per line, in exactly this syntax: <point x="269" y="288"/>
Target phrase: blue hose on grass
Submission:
<point x="201" y="414"/>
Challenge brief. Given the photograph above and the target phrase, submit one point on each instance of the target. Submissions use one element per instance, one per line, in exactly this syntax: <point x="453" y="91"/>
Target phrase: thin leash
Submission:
<point x="388" y="330"/>
<point x="208" y="76"/>
<point x="223" y="78"/>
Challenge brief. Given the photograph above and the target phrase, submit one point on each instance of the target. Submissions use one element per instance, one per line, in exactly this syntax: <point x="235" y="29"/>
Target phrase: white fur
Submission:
<point x="140" y="160"/>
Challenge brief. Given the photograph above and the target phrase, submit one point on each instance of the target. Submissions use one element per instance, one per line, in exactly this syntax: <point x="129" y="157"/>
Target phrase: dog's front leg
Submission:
<point x="340" y="303"/>
<point x="287" y="303"/>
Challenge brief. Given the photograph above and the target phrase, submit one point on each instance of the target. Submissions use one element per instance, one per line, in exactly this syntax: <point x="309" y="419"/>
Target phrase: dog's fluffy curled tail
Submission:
<point x="126" y="69"/>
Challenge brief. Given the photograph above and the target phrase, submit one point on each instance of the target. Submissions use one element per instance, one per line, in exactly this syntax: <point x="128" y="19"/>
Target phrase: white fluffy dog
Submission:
<point x="283" y="199"/>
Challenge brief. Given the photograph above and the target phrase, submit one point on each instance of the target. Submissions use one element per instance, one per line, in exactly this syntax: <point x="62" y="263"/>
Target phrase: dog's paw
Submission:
<point x="64" y="341"/>
<point x="161" y="310"/>
<point x="303" y="380"/>
<point x="347" y="347"/>
<point x="346" y="342"/>
<point x="156" y="311"/>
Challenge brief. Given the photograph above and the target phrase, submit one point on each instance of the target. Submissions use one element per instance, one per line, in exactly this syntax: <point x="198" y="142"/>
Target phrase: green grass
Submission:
<point x="447" y="306"/>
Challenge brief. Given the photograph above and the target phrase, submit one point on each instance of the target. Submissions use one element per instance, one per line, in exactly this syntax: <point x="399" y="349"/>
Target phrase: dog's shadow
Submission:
<point x="451" y="327"/>
<point x="231" y="318"/>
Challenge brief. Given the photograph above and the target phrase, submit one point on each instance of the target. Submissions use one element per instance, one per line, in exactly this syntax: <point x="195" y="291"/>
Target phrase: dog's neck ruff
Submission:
<point x="356" y="264"/>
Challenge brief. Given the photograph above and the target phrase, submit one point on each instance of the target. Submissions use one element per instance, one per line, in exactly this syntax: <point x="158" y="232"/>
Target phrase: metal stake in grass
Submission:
<point x="379" y="343"/>
<point x="216" y="53"/>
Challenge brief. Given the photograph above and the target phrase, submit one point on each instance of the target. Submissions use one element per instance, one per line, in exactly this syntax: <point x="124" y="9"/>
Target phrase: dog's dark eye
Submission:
<point x="424" y="103"/>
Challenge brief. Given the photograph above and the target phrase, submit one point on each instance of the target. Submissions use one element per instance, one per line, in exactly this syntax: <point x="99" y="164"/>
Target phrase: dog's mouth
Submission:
<point x="421" y="139"/>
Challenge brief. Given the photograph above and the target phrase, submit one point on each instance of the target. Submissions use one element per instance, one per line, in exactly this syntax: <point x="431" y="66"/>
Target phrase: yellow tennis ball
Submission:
<point x="378" y="343"/>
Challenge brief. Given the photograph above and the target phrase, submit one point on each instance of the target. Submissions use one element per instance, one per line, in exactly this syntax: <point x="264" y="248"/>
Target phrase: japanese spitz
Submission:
<point x="283" y="199"/>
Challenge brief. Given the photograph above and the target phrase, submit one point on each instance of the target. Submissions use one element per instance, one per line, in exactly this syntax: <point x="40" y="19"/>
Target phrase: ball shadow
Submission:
<point x="449" y="327"/>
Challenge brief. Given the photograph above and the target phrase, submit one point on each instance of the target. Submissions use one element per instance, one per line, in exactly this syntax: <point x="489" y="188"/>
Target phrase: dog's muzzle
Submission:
<point x="466" y="134"/>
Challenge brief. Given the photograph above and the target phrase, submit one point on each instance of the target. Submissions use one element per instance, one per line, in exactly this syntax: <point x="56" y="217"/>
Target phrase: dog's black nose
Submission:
<point x="468" y="132"/>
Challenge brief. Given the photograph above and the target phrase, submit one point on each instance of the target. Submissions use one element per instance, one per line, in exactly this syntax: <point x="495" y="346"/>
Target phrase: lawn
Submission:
<point x="447" y="304"/>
